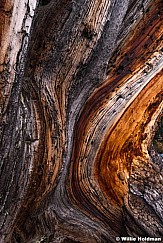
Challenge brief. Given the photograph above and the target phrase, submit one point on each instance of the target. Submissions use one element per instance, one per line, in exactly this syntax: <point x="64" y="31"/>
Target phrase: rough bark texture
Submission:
<point x="81" y="96"/>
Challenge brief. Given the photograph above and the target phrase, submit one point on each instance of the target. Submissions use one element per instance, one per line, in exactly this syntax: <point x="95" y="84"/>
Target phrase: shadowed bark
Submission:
<point x="81" y="98"/>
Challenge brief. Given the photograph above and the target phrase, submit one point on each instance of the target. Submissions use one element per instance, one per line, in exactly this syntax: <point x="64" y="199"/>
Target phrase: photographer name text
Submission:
<point x="141" y="239"/>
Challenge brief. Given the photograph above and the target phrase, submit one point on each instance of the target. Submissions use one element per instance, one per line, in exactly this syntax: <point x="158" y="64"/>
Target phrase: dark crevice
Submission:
<point x="44" y="2"/>
<point x="158" y="138"/>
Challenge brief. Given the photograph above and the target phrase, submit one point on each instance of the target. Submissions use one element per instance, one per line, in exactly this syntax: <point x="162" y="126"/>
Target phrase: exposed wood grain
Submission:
<point x="81" y="95"/>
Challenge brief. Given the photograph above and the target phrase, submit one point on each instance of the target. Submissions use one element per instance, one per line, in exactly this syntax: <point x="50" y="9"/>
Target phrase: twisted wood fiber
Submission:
<point x="81" y="96"/>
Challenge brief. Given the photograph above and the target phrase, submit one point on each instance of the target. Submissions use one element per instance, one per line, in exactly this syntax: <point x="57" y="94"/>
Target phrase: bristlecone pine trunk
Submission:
<point x="81" y="96"/>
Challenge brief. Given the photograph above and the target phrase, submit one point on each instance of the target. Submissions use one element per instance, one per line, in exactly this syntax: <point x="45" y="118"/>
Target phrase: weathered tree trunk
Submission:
<point x="81" y="97"/>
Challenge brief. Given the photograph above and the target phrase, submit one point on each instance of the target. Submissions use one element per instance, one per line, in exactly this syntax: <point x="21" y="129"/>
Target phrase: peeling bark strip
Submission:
<point x="81" y="94"/>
